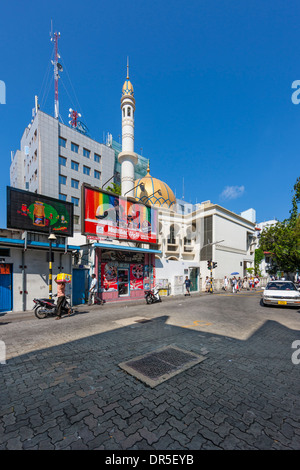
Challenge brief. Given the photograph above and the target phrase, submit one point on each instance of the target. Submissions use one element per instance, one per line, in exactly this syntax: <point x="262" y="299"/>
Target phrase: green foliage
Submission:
<point x="283" y="239"/>
<point x="258" y="257"/>
<point x="115" y="188"/>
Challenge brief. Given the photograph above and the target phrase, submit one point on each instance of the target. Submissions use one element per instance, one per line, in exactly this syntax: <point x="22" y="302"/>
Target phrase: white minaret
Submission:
<point x="127" y="157"/>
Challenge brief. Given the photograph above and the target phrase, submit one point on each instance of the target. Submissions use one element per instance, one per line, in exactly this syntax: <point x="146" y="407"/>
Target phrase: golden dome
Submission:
<point x="154" y="192"/>
<point x="127" y="88"/>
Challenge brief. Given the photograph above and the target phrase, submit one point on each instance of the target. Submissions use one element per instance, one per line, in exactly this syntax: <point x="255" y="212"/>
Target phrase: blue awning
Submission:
<point x="126" y="248"/>
<point x="35" y="244"/>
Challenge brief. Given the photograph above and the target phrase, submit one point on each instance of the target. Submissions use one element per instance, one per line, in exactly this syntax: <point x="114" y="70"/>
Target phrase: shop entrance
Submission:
<point x="123" y="282"/>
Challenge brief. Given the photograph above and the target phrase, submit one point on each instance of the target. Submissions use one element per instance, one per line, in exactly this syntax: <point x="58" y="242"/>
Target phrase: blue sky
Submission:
<point x="212" y="81"/>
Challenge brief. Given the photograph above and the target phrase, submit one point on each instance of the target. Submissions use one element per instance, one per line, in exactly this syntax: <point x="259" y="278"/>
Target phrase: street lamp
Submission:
<point x="108" y="180"/>
<point x="51" y="238"/>
<point x="141" y="185"/>
<point x="145" y="197"/>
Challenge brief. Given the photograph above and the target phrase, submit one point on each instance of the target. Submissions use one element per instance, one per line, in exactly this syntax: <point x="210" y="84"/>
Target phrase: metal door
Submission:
<point x="5" y="287"/>
<point x="79" y="286"/>
<point x="123" y="282"/>
<point x="194" y="279"/>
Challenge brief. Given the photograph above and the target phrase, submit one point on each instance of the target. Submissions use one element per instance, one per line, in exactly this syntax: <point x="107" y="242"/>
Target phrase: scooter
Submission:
<point x="152" y="296"/>
<point x="47" y="307"/>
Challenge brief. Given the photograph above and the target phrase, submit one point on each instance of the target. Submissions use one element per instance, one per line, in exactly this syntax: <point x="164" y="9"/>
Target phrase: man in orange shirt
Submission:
<point x="61" y="297"/>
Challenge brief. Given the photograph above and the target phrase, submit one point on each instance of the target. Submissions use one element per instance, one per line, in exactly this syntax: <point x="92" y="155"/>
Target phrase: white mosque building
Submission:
<point x="187" y="240"/>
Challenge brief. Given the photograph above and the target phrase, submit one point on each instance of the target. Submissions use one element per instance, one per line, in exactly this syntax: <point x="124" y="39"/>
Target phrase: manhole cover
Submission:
<point x="156" y="367"/>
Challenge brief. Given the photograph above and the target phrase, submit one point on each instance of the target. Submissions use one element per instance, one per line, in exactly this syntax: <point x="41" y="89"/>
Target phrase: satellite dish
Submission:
<point x="59" y="66"/>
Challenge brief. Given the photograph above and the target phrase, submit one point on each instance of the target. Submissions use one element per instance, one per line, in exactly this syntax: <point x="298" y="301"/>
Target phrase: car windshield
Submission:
<point x="281" y="286"/>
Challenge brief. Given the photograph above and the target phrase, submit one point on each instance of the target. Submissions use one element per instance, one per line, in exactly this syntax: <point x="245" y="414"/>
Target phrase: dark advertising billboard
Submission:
<point x="109" y="215"/>
<point x="37" y="213"/>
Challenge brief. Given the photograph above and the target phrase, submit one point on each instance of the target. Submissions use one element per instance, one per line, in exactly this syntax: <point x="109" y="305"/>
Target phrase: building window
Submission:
<point x="86" y="153"/>
<point x="75" y="201"/>
<point x="74" y="165"/>
<point x="62" y="179"/>
<point x="74" y="147"/>
<point x="62" y="161"/>
<point x="128" y="111"/>
<point x="172" y="239"/>
<point x="63" y="197"/>
<point x="62" y="142"/>
<point x="86" y="170"/>
<point x="206" y="251"/>
<point x="97" y="174"/>
<point x="74" y="184"/>
<point x="76" y="219"/>
<point x="97" y="158"/>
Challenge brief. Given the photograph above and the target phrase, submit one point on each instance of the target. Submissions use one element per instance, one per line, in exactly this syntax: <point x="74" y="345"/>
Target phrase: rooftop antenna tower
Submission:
<point x="57" y="68"/>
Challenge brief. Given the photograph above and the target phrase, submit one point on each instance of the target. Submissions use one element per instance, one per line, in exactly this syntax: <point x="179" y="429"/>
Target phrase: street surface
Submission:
<point x="62" y="387"/>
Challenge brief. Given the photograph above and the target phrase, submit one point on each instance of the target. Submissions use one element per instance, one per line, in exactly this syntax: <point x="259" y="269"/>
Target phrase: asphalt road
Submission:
<point x="62" y="386"/>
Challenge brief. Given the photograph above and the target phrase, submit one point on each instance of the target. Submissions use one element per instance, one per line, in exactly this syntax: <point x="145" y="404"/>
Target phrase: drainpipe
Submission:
<point x="23" y="282"/>
<point x="24" y="236"/>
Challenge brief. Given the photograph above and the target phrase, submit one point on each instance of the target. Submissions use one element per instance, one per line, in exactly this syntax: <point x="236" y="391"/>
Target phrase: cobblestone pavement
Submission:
<point x="62" y="388"/>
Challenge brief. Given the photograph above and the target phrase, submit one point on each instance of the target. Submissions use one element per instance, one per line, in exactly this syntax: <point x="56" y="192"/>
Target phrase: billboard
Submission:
<point x="108" y="215"/>
<point x="37" y="213"/>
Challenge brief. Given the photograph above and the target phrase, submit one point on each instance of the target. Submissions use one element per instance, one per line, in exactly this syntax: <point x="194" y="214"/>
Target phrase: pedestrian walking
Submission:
<point x="234" y="285"/>
<point x="188" y="284"/>
<point x="92" y="290"/>
<point x="207" y="284"/>
<point x="61" y="297"/>
<point x="225" y="283"/>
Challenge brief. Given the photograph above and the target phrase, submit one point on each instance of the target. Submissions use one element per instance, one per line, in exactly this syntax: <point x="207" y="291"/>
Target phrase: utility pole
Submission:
<point x="57" y="67"/>
<point x="209" y="266"/>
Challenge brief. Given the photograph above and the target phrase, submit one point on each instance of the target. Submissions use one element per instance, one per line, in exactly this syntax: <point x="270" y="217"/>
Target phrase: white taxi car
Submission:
<point x="281" y="293"/>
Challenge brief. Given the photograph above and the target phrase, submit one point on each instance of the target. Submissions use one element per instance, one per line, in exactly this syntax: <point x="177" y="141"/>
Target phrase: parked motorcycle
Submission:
<point x="152" y="296"/>
<point x="48" y="308"/>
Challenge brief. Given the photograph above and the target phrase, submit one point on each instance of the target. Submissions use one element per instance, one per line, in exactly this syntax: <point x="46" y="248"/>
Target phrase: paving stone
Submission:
<point x="243" y="396"/>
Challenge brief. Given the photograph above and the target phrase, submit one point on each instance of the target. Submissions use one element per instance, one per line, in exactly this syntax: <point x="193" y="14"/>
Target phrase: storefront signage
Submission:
<point x="37" y="213"/>
<point x="107" y="215"/>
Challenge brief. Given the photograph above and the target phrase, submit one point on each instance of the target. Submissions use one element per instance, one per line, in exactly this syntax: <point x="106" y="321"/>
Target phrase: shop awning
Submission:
<point x="126" y="248"/>
<point x="34" y="244"/>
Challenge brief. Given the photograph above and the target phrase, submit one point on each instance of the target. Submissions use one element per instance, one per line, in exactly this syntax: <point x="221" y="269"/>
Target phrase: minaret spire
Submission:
<point x="128" y="158"/>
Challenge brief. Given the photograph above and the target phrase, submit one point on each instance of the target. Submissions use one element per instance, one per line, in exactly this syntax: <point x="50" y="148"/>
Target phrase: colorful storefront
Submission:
<point x="124" y="272"/>
<point x="123" y="268"/>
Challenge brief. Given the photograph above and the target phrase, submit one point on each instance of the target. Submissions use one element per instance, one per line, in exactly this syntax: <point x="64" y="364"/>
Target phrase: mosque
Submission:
<point x="189" y="236"/>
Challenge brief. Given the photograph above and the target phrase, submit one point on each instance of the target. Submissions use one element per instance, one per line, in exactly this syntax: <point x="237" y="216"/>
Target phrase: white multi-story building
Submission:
<point x="55" y="159"/>
<point x="191" y="235"/>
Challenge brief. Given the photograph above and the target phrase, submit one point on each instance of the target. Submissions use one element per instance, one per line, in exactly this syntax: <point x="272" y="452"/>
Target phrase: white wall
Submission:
<point x="168" y="269"/>
<point x="36" y="275"/>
